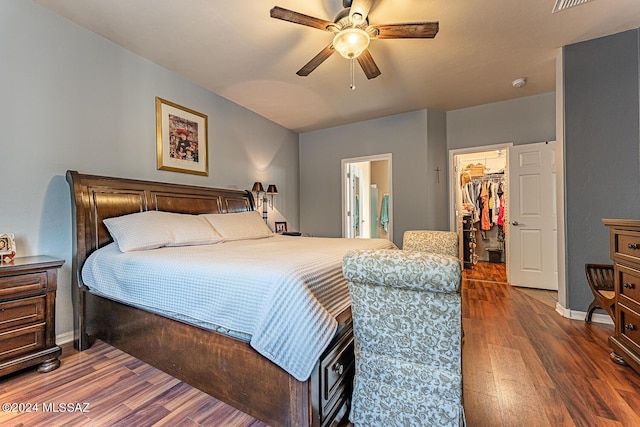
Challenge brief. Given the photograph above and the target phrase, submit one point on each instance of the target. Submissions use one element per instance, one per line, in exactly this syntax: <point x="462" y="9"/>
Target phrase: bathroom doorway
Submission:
<point x="367" y="202"/>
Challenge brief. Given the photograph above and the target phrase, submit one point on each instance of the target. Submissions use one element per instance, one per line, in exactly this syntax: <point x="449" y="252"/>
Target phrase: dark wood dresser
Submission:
<point x="625" y="253"/>
<point x="27" y="314"/>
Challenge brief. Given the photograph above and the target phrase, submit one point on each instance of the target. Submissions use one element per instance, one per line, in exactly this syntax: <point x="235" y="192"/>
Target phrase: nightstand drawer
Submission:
<point x="22" y="285"/>
<point x="27" y="314"/>
<point x="20" y="341"/>
<point x="22" y="312"/>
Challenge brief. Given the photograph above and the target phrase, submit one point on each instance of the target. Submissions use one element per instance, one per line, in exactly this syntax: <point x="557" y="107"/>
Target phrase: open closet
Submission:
<point x="481" y="196"/>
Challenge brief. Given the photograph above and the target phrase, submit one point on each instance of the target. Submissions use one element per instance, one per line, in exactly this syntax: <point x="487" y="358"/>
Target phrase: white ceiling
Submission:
<point x="236" y="50"/>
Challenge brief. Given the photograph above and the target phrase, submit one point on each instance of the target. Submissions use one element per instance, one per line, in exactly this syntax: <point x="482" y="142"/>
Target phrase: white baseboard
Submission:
<point x="64" y="338"/>
<point x="580" y="315"/>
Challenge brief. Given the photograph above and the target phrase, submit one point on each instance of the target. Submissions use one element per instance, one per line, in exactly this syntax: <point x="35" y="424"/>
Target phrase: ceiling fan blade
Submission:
<point x="417" y="30"/>
<point x="316" y="61"/>
<point x="368" y="65"/>
<point x="361" y="7"/>
<point x="299" y="18"/>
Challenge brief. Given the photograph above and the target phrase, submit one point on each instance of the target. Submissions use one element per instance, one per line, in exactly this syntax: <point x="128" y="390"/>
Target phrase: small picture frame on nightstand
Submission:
<point x="7" y="247"/>
<point x="281" y="227"/>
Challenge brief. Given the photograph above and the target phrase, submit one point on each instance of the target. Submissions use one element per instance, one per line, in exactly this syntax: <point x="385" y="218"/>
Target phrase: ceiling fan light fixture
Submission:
<point x="357" y="18"/>
<point x="351" y="42"/>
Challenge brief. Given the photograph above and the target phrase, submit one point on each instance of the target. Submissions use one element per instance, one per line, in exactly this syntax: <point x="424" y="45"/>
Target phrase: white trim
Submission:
<point x="64" y="338"/>
<point x="452" y="172"/>
<point x="375" y="157"/>
<point x="454" y="182"/>
<point x="604" y="319"/>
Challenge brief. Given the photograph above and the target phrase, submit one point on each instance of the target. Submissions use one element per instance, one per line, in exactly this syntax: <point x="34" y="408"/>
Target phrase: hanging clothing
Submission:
<point x="384" y="213"/>
<point x="477" y="185"/>
<point x="484" y="197"/>
<point x="490" y="201"/>
<point x="501" y="207"/>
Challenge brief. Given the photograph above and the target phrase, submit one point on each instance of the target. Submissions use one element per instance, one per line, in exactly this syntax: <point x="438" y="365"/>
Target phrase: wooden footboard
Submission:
<point x="222" y="366"/>
<point x="228" y="368"/>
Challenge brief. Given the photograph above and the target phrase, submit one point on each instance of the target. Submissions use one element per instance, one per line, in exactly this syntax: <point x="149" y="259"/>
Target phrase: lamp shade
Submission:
<point x="257" y="187"/>
<point x="351" y="42"/>
<point x="272" y="189"/>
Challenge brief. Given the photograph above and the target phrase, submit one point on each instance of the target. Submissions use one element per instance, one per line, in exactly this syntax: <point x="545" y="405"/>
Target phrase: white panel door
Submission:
<point x="532" y="216"/>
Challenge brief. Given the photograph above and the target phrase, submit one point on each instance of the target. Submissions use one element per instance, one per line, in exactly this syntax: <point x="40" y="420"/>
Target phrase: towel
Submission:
<point x="384" y="213"/>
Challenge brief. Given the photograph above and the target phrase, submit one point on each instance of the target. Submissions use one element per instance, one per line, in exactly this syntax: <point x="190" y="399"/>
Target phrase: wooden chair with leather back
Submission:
<point x="600" y="279"/>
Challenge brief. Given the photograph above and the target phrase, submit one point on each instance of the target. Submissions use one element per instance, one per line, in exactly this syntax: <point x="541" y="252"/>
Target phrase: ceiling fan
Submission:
<point x="352" y="34"/>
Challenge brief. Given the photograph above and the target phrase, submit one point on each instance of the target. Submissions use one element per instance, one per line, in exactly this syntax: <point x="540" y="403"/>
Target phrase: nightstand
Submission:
<point x="27" y="314"/>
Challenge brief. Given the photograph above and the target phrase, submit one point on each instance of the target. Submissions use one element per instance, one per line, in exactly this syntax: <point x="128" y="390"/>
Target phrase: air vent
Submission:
<point x="566" y="4"/>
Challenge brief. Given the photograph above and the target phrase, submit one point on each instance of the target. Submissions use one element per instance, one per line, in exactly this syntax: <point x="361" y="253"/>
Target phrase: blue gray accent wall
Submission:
<point x="71" y="99"/>
<point x="417" y="141"/>
<point x="520" y="121"/>
<point x="602" y="150"/>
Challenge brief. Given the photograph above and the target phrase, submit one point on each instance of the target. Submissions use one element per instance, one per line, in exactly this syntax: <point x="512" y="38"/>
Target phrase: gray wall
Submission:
<point x="415" y="149"/>
<point x="521" y="121"/>
<point x="602" y="137"/>
<point x="73" y="100"/>
<point x="437" y="170"/>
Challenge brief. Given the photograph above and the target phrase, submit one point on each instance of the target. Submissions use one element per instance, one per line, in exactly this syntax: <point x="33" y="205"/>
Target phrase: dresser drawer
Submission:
<point x="628" y="285"/>
<point x="629" y="326"/>
<point x="16" y="342"/>
<point x="22" y="285"/>
<point x="22" y="312"/>
<point x="626" y="246"/>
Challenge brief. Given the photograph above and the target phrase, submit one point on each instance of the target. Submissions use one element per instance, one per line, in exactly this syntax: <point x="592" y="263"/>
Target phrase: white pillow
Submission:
<point x="240" y="225"/>
<point x="155" y="229"/>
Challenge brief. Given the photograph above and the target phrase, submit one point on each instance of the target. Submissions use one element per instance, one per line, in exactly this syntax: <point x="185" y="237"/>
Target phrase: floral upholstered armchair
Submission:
<point x="406" y="310"/>
<point x="439" y="242"/>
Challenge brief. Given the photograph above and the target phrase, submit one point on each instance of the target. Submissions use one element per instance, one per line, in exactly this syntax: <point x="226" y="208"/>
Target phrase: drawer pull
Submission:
<point x="633" y="246"/>
<point x="338" y="368"/>
<point x="628" y="285"/>
<point x="630" y="327"/>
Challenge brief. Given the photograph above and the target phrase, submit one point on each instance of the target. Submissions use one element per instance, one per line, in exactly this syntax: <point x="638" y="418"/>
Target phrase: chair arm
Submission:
<point x="439" y="242"/>
<point x="600" y="276"/>
<point x="403" y="269"/>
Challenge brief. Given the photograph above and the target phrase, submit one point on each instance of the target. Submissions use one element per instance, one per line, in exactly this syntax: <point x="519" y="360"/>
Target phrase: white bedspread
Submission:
<point x="282" y="293"/>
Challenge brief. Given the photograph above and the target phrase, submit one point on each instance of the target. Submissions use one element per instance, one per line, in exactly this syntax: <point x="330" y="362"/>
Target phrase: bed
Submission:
<point x="221" y="364"/>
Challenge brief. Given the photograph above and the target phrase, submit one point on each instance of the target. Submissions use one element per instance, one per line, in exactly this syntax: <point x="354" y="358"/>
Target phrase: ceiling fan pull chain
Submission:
<point x="352" y="73"/>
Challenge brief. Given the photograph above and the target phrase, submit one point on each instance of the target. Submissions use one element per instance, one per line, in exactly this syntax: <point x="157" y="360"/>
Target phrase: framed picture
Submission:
<point x="281" y="227"/>
<point x="181" y="136"/>
<point x="7" y="247"/>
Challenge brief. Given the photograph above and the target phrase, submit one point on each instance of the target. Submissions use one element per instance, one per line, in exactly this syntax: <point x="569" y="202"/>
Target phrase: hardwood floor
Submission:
<point x="119" y="390"/>
<point x="524" y="365"/>
<point x="487" y="272"/>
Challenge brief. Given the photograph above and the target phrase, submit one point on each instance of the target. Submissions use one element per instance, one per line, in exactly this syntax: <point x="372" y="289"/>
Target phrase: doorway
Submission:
<point x="367" y="208"/>
<point x="526" y="225"/>
<point x="480" y="195"/>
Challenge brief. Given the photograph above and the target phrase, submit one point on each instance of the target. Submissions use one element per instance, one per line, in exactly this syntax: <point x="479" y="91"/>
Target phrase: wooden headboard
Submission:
<point x="94" y="198"/>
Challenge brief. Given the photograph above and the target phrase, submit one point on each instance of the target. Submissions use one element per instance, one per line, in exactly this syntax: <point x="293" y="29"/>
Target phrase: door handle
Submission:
<point x="515" y="223"/>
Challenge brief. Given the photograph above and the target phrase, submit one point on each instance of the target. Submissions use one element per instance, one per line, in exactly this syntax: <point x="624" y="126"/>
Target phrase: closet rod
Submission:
<point x="498" y="176"/>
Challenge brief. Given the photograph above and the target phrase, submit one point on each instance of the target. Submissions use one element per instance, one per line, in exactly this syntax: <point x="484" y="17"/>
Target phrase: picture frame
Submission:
<point x="7" y="247"/>
<point x="181" y="137"/>
<point x="281" y="227"/>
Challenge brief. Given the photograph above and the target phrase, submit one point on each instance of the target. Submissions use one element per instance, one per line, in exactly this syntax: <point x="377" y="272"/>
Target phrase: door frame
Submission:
<point x="454" y="176"/>
<point x="372" y="158"/>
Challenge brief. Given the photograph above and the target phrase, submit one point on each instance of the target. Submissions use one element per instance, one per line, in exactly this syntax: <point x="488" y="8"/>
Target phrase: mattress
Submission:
<point x="281" y="294"/>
